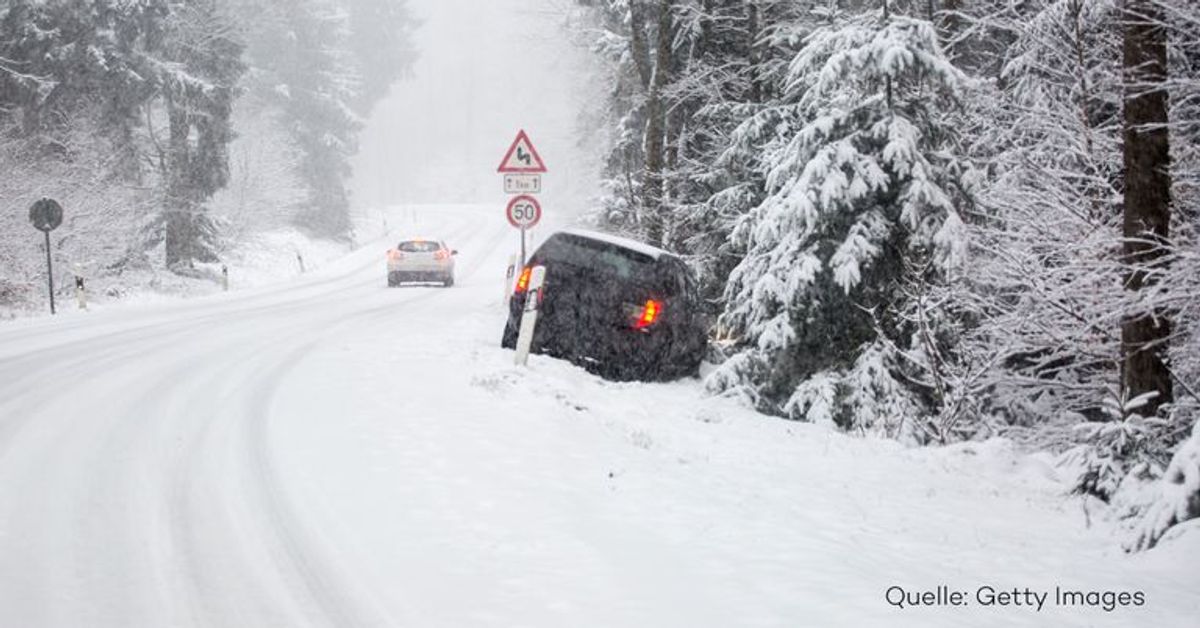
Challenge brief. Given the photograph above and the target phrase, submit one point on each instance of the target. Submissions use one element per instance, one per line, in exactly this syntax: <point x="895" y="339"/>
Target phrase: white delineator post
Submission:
<point x="80" y="288"/>
<point x="533" y="301"/>
<point x="508" y="277"/>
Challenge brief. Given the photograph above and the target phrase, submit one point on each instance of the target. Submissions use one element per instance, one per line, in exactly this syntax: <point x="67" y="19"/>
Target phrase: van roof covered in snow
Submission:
<point x="634" y="245"/>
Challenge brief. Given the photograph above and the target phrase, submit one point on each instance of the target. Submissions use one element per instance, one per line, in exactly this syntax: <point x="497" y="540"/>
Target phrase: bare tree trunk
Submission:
<point x="638" y="48"/>
<point x="655" y="142"/>
<point x="752" y="29"/>
<point x="1144" y="336"/>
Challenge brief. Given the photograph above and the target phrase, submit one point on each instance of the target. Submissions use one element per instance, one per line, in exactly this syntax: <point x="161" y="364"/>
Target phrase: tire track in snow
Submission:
<point x="155" y="423"/>
<point x="54" y="329"/>
<point x="313" y="566"/>
<point x="295" y="555"/>
<point x="201" y="310"/>
<point x="23" y="371"/>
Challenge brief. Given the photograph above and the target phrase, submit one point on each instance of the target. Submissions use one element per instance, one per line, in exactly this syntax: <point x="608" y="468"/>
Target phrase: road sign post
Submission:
<point x="522" y="183"/>
<point x="46" y="215"/>
<point x="523" y="212"/>
<point x="522" y="168"/>
<point x="522" y="157"/>
<point x="49" y="272"/>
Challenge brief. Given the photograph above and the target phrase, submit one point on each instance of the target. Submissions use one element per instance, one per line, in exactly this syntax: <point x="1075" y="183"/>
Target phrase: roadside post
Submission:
<point x="523" y="212"/>
<point x="46" y="215"/>
<point x="537" y="286"/>
<point x="224" y="278"/>
<point x="509" y="273"/>
<point x="523" y="168"/>
<point x="80" y="287"/>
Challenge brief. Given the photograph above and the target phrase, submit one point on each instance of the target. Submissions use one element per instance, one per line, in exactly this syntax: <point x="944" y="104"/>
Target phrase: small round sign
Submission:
<point x="46" y="215"/>
<point x="523" y="211"/>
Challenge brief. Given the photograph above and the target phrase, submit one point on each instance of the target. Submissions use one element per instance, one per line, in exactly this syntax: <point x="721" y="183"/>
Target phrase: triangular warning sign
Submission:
<point x="522" y="157"/>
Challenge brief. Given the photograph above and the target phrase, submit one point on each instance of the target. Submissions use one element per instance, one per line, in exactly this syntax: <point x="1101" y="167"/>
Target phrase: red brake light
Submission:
<point x="394" y="254"/>
<point x="441" y="255"/>
<point x="523" y="280"/>
<point x="650" y="313"/>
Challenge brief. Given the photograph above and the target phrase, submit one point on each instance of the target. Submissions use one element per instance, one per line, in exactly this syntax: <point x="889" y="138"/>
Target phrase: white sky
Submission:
<point x="486" y="69"/>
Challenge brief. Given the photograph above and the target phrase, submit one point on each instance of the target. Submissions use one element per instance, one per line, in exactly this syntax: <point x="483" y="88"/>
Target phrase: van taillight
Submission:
<point x="523" y="280"/>
<point x="649" y="314"/>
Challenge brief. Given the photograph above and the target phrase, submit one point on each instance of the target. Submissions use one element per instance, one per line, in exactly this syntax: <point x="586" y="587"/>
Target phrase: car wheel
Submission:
<point x="509" y="340"/>
<point x="684" y="369"/>
<point x="449" y="281"/>
<point x="393" y="280"/>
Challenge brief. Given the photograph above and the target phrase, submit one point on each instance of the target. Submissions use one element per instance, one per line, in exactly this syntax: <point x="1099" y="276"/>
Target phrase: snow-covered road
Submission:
<point x="329" y="452"/>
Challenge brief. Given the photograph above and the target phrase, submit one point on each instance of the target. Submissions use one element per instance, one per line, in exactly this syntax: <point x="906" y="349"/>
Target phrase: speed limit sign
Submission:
<point x="523" y="211"/>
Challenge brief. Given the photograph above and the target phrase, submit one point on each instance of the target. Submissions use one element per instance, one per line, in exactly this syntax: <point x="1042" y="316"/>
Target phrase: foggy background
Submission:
<point x="486" y="69"/>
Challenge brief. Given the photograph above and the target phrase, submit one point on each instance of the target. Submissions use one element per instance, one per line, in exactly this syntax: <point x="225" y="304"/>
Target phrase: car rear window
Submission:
<point x="607" y="259"/>
<point x="419" y="246"/>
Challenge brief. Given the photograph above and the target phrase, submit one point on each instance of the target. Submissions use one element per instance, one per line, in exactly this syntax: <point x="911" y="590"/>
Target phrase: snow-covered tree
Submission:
<point x="198" y="80"/>
<point x="153" y="93"/>
<point x="725" y="61"/>
<point x="1046" y="285"/>
<point x="156" y="78"/>
<point x="322" y="65"/>
<point x="1046" y="279"/>
<point x="1177" y="499"/>
<point x="862" y="179"/>
<point x="303" y="65"/>
<point x="734" y="66"/>
<point x="380" y="39"/>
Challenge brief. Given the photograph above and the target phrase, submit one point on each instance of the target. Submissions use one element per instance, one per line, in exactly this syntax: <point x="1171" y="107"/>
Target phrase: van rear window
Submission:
<point x="602" y="256"/>
<point x="607" y="259"/>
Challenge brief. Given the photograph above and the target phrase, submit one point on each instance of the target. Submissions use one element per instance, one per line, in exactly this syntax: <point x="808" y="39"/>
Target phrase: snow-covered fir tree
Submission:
<point x="198" y="84"/>
<point x="733" y="68"/>
<point x="863" y="181"/>
<point x="725" y="61"/>
<point x="155" y="94"/>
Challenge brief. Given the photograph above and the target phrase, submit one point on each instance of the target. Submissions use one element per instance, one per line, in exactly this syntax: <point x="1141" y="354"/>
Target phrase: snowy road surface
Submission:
<point x="328" y="452"/>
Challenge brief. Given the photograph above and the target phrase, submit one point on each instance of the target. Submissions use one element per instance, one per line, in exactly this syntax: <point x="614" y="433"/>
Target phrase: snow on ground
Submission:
<point x="253" y="260"/>
<point x="329" y="452"/>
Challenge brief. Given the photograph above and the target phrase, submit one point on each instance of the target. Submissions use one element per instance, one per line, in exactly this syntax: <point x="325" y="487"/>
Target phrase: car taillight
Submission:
<point x="395" y="255"/>
<point x="646" y="314"/>
<point x="441" y="255"/>
<point x="523" y="280"/>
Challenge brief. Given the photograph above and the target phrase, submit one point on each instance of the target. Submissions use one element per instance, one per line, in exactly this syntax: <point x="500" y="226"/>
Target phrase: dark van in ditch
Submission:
<point x="618" y="307"/>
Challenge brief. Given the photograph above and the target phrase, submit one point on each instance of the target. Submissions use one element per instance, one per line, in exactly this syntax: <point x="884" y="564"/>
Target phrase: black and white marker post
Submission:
<point x="509" y="273"/>
<point x="46" y="215"/>
<point x="80" y="287"/>
<point x="529" y="316"/>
